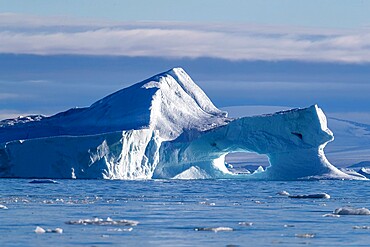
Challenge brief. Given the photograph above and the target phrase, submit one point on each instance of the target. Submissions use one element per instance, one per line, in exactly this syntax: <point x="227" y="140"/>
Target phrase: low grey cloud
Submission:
<point x="6" y="96"/>
<point x="50" y="36"/>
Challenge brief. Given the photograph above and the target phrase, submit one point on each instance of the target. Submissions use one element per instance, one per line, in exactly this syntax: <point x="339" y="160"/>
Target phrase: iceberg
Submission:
<point x="164" y="127"/>
<point x="351" y="211"/>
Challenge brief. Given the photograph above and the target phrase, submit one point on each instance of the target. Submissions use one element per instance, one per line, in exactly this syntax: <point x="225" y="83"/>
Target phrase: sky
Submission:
<point x="313" y="13"/>
<point x="60" y="54"/>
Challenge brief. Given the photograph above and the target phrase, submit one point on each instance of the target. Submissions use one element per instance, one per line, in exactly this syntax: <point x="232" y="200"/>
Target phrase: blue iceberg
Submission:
<point x="164" y="127"/>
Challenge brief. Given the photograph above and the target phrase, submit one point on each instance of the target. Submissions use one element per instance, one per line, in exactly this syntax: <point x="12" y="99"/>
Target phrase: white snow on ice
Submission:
<point x="102" y="222"/>
<point x="283" y="193"/>
<point x="214" y="229"/>
<point x="164" y="127"/>
<point x="40" y="230"/>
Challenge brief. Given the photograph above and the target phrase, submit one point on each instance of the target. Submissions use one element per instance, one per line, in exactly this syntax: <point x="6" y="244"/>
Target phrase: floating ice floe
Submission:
<point x="120" y="229"/>
<point x="331" y="215"/>
<point x="311" y="196"/>
<point x="283" y="193"/>
<point x="41" y="230"/>
<point x="3" y="206"/>
<point x="305" y="235"/>
<point x="207" y="203"/>
<point x="245" y="223"/>
<point x="43" y="181"/>
<point x="361" y="227"/>
<point x="56" y="230"/>
<point x="352" y="211"/>
<point x="214" y="229"/>
<point x="98" y="221"/>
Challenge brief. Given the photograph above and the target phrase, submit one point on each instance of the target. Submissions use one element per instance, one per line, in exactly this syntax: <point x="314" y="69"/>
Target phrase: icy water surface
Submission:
<point x="181" y="213"/>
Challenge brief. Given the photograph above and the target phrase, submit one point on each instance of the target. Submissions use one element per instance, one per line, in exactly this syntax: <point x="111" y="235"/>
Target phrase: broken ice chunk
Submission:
<point x="39" y="230"/>
<point x="305" y="235"/>
<point x="352" y="211"/>
<point x="120" y="229"/>
<point x="331" y="215"/>
<point x="283" y="193"/>
<point x="245" y="223"/>
<point x="98" y="221"/>
<point x="311" y="196"/>
<point x="43" y="181"/>
<point x="214" y="229"/>
<point x="56" y="230"/>
<point x="361" y="227"/>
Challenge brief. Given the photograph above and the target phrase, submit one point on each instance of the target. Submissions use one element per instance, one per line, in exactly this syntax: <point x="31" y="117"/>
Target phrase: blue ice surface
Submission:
<point x="168" y="211"/>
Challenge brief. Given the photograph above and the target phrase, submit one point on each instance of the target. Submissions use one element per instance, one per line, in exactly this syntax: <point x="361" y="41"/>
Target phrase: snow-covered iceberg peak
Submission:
<point x="169" y="102"/>
<point x="163" y="127"/>
<point x="178" y="104"/>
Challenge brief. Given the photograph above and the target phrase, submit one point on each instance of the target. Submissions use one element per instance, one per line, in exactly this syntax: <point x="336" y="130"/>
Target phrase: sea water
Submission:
<point x="181" y="213"/>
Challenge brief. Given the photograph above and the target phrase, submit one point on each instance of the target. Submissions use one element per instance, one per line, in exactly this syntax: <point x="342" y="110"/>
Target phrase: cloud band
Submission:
<point x="50" y="36"/>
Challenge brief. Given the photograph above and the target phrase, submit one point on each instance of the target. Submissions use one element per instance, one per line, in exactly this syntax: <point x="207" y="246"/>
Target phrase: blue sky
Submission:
<point x="289" y="53"/>
<point x="313" y="13"/>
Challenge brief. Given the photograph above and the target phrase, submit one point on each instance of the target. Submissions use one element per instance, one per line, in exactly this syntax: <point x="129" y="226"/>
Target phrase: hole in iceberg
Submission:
<point x="245" y="162"/>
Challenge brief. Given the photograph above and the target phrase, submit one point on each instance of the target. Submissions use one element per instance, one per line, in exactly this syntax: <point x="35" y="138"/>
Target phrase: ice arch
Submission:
<point x="293" y="140"/>
<point x="244" y="162"/>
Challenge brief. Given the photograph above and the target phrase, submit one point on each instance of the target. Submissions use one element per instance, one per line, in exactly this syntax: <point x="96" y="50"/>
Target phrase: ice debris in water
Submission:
<point x="207" y="203"/>
<point x="283" y="193"/>
<point x="40" y="230"/>
<point x="56" y="230"/>
<point x="3" y="206"/>
<point x="311" y="196"/>
<point x="98" y="221"/>
<point x="305" y="235"/>
<point x="352" y="211"/>
<point x="361" y="227"/>
<point x="120" y="229"/>
<point x="214" y="229"/>
<point x="331" y="215"/>
<point x="245" y="223"/>
<point x="43" y="181"/>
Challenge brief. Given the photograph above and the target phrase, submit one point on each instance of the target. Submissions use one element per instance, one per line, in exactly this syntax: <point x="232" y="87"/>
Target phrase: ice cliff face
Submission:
<point x="163" y="127"/>
<point x="293" y="140"/>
